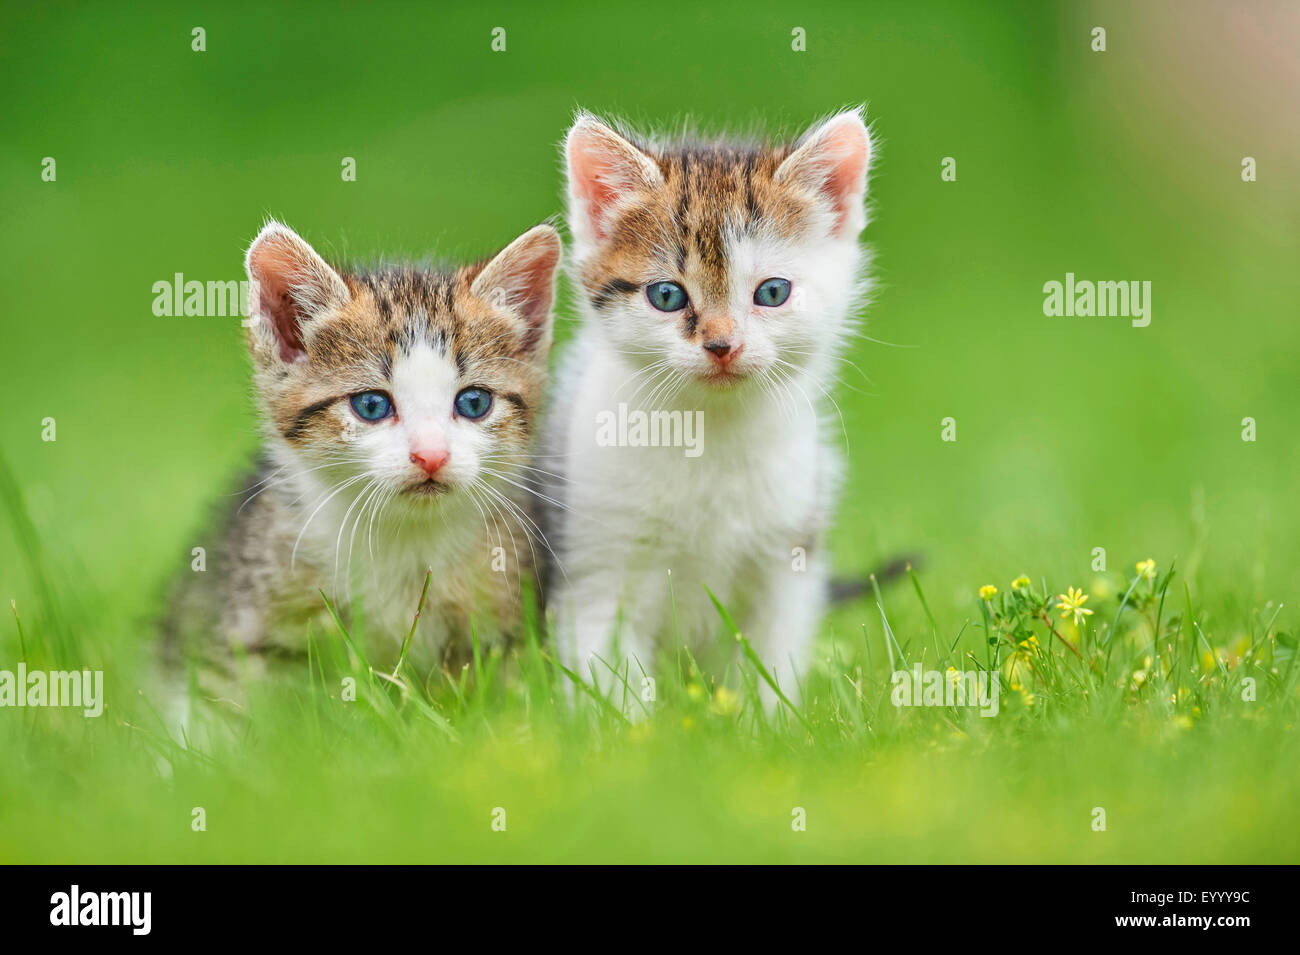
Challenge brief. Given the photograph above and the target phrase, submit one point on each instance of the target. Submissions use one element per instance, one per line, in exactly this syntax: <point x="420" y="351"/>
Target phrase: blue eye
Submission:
<point x="666" y="296"/>
<point x="473" y="403"/>
<point x="372" y="405"/>
<point x="772" y="293"/>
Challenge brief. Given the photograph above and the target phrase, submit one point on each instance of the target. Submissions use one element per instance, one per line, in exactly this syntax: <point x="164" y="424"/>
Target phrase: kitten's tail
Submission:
<point x="846" y="589"/>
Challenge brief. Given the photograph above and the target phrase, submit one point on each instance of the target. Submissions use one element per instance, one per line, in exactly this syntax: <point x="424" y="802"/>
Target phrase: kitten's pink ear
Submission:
<point x="603" y="168"/>
<point x="521" y="279"/>
<point x="292" y="286"/>
<point x="832" y="159"/>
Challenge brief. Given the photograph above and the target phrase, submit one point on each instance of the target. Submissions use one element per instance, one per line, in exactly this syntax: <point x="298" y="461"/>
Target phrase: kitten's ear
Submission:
<point x="603" y="167"/>
<point x="832" y="159"/>
<point x="292" y="286"/>
<point x="521" y="279"/>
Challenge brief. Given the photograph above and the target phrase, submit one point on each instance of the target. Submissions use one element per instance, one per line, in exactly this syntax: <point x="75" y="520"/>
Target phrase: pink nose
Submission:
<point x="430" y="462"/>
<point x="723" y="351"/>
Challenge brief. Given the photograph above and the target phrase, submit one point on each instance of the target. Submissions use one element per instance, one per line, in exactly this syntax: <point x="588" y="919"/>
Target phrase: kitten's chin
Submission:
<point x="426" y="490"/>
<point x="722" y="380"/>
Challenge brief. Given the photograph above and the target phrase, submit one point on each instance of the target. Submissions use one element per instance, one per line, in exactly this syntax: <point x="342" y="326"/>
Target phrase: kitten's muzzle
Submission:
<point x="722" y="356"/>
<point x="722" y="350"/>
<point x="430" y="461"/>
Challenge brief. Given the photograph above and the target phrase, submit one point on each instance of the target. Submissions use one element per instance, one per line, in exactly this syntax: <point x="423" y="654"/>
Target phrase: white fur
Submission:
<point x="376" y="542"/>
<point x="731" y="518"/>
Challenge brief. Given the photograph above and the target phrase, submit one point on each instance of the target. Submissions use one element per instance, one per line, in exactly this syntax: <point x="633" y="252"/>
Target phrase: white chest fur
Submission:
<point x="753" y="498"/>
<point x="376" y="569"/>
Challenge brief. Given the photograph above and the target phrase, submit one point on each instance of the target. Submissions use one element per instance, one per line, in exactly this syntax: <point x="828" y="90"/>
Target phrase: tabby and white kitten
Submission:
<point x="397" y="407"/>
<point x="719" y="278"/>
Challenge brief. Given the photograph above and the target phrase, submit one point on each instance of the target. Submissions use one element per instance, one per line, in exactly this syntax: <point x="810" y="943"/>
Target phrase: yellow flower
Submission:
<point x="1071" y="604"/>
<point x="695" y="692"/>
<point x="1030" y="645"/>
<point x="1020" y="583"/>
<point x="1139" y="677"/>
<point x="1236" y="651"/>
<point x="725" y="702"/>
<point x="988" y="592"/>
<point x="1147" y="568"/>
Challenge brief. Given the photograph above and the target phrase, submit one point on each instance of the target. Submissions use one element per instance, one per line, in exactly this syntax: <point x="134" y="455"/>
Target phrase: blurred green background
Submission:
<point x="1073" y="433"/>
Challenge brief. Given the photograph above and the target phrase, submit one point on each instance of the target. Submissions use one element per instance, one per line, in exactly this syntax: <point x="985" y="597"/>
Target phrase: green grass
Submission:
<point x="1073" y="434"/>
<point x="1137" y="711"/>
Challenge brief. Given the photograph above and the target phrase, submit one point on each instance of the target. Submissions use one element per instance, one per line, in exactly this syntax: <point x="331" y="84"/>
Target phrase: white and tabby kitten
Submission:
<point x="718" y="278"/>
<point x="398" y="407"/>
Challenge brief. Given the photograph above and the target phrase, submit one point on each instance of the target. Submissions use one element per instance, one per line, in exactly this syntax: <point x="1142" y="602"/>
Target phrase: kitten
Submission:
<point x="397" y="408"/>
<point x="717" y="280"/>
